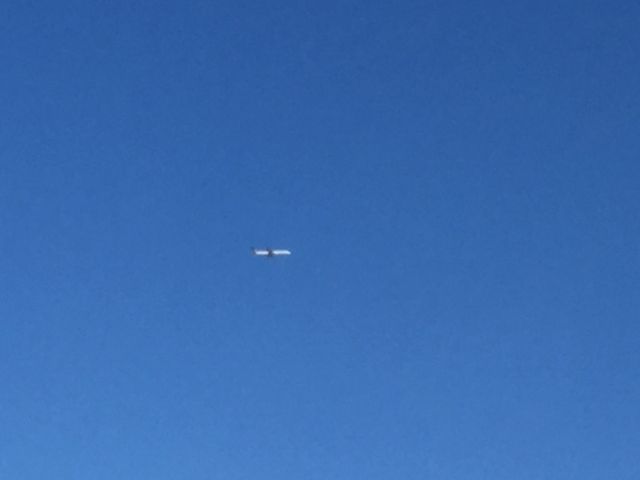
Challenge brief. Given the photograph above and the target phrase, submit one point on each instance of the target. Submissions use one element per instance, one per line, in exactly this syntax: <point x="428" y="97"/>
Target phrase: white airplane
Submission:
<point x="270" y="252"/>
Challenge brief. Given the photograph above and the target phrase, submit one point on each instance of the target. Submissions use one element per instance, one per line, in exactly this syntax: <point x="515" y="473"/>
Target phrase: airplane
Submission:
<point x="270" y="252"/>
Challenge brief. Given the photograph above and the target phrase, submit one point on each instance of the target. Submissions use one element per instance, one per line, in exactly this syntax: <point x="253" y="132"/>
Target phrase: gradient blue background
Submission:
<point x="459" y="183"/>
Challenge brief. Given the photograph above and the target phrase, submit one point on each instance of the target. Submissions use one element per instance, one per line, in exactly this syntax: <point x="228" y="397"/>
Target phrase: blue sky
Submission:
<point x="458" y="181"/>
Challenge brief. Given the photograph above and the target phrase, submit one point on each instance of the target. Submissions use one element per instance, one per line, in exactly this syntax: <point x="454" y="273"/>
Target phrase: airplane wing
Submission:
<point x="261" y="252"/>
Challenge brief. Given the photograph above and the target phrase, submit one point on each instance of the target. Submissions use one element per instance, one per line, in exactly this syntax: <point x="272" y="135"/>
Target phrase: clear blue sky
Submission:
<point x="459" y="183"/>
